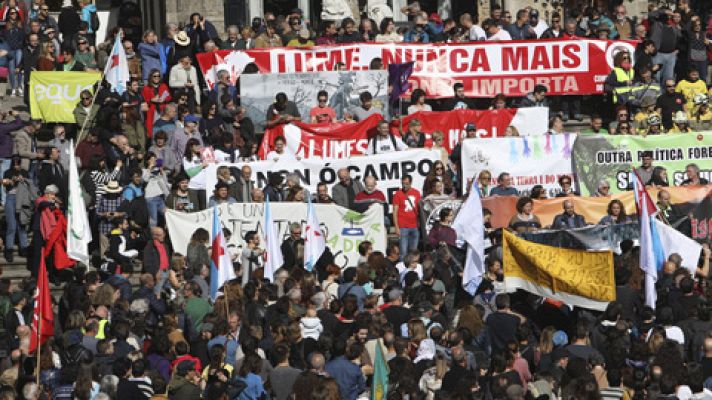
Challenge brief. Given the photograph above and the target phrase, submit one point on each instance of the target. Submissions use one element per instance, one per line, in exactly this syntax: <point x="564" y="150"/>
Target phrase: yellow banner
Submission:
<point x="55" y="94"/>
<point x="576" y="277"/>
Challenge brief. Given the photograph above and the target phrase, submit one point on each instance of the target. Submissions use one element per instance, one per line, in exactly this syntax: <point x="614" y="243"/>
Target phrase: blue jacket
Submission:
<point x="5" y="60"/>
<point x="152" y="57"/>
<point x="86" y="15"/>
<point x="349" y="377"/>
<point x="254" y="389"/>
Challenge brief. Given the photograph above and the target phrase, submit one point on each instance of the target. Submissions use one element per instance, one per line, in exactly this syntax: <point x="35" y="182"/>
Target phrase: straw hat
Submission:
<point x="182" y="39"/>
<point x="113" y="187"/>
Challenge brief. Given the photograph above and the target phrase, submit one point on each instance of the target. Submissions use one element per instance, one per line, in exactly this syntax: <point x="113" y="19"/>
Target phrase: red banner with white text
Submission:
<point x="565" y="66"/>
<point x="338" y="140"/>
<point x="344" y="139"/>
<point x="489" y="123"/>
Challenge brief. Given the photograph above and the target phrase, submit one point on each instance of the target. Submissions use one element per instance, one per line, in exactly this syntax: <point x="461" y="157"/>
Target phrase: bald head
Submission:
<point x="569" y="207"/>
<point x="708" y="346"/>
<point x="317" y="361"/>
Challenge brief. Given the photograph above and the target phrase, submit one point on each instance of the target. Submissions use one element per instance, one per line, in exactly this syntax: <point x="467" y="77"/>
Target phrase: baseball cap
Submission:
<point x="560" y="338"/>
<point x="470" y="127"/>
<point x="190" y="118"/>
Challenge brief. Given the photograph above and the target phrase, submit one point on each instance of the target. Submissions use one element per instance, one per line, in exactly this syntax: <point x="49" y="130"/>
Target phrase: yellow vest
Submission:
<point x="623" y="76"/>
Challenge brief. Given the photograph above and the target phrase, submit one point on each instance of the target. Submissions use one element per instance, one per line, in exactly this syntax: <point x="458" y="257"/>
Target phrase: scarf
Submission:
<point x="162" y="255"/>
<point x="57" y="242"/>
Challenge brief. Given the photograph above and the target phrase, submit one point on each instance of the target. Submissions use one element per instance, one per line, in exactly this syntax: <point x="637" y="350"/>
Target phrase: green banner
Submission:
<point x="599" y="157"/>
<point x="55" y="94"/>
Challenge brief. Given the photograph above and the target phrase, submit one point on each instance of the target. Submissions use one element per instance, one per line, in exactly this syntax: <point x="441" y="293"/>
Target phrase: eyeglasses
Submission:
<point x="86" y="98"/>
<point x="156" y="76"/>
<point x="439" y="168"/>
<point x="44" y="9"/>
<point x="81" y="43"/>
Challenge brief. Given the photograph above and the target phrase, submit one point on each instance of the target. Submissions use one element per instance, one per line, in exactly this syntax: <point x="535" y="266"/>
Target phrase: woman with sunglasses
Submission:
<point x="619" y="82"/>
<point x="14" y="37"/>
<point x="156" y="94"/>
<point x="438" y="173"/>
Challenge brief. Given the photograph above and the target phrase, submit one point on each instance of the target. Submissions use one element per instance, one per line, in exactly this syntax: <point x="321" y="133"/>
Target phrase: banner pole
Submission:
<point x="39" y="346"/>
<point x="84" y="124"/>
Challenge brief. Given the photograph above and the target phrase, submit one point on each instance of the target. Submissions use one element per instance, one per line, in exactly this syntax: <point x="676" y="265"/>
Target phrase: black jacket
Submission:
<point x="151" y="258"/>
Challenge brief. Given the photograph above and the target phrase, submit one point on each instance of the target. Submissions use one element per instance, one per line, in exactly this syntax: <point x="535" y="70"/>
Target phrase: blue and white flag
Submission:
<point x="273" y="253"/>
<point x="116" y="71"/>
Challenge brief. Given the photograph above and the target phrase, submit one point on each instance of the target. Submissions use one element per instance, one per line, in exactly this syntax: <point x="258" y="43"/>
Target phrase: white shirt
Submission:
<point x="540" y="27"/>
<point x="285" y="156"/>
<point x="402" y="270"/>
<point x="414" y="109"/>
<point x="385" y="145"/>
<point x="477" y="33"/>
<point x="197" y="182"/>
<point x="500" y="35"/>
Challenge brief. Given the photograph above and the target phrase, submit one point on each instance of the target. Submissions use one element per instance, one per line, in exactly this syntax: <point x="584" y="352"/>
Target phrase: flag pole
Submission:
<point x="80" y="135"/>
<point x="39" y="345"/>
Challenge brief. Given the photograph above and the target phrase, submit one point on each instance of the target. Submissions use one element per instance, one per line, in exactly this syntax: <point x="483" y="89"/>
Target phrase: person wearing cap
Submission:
<point x="647" y="108"/>
<point x="185" y="383"/>
<point x="183" y="75"/>
<point x="108" y="210"/>
<point x="681" y="123"/>
<point x="538" y="25"/>
<point x="302" y="39"/>
<point x="701" y="115"/>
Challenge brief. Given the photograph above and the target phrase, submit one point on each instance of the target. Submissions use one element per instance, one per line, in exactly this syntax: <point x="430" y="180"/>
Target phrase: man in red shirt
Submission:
<point x="322" y="112"/>
<point x="405" y="215"/>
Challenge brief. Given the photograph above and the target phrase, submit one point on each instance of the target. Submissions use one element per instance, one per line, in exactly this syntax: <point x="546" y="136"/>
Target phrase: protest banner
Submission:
<point x="533" y="160"/>
<point x="513" y="68"/>
<point x="337" y="140"/>
<point x="701" y="220"/>
<point x="489" y="123"/>
<point x="592" y="237"/>
<point x="593" y="208"/>
<point x="388" y="169"/>
<point x="612" y="158"/>
<point x="344" y="229"/>
<point x="257" y="91"/>
<point x="580" y="278"/>
<point x="55" y="94"/>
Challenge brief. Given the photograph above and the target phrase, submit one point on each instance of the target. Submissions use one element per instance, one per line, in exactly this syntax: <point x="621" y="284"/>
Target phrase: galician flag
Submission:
<point x="116" y="71"/>
<point x="314" y="241"/>
<point x="379" y="387"/>
<point x="273" y="254"/>
<point x="652" y="256"/>
<point x="221" y="269"/>
<point x="78" y="229"/>
<point x="469" y="226"/>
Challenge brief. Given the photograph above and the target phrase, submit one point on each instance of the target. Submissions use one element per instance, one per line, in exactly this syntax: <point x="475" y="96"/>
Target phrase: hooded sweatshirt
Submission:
<point x="86" y="15"/>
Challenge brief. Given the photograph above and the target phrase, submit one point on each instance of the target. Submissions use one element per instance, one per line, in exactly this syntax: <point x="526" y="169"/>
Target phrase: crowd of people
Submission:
<point x="318" y="334"/>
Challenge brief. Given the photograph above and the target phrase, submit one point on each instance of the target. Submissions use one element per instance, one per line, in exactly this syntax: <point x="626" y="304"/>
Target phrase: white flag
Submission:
<point x="78" y="229"/>
<point x="469" y="226"/>
<point x="314" y="241"/>
<point x="273" y="252"/>
<point x="116" y="71"/>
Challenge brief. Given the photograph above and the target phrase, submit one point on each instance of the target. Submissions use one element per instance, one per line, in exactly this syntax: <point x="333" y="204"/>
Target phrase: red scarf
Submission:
<point x="162" y="255"/>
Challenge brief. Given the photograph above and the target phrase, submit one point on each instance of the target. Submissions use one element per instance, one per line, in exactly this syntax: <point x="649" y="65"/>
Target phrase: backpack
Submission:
<point x="137" y="209"/>
<point x="94" y="21"/>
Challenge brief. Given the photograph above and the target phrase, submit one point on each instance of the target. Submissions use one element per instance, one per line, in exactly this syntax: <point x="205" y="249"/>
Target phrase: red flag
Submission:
<point x="642" y="195"/>
<point x="43" y="309"/>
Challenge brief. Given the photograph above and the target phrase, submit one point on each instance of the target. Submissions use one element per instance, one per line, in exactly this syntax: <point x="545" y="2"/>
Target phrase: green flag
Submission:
<point x="379" y="388"/>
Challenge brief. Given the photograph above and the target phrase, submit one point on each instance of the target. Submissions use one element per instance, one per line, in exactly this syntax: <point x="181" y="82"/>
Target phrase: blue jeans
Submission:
<point x="5" y="164"/>
<point x="408" y="240"/>
<point x="13" y="225"/>
<point x="155" y="206"/>
<point x="15" y="77"/>
<point x="667" y="69"/>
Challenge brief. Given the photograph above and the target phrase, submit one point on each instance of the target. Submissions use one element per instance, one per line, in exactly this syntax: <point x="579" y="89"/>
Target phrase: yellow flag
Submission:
<point x="55" y="94"/>
<point x="576" y="277"/>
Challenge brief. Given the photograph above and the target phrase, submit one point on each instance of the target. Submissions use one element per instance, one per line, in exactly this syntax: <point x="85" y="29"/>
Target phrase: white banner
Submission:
<point x="533" y="160"/>
<point x="388" y="169"/>
<point x="344" y="229"/>
<point x="344" y="89"/>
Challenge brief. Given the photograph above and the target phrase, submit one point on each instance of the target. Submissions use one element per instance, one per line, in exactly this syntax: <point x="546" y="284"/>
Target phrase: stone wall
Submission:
<point x="178" y="11"/>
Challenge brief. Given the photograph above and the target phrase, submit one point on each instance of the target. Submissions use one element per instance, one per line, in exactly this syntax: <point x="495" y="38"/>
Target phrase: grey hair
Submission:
<point x="602" y="183"/>
<point x="108" y="385"/>
<point x="294" y="178"/>
<point x="294" y="226"/>
<point x="233" y="28"/>
<point x="30" y="390"/>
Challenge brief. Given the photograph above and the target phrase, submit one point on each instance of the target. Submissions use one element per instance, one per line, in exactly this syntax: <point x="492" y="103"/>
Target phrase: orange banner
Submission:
<point x="592" y="208"/>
